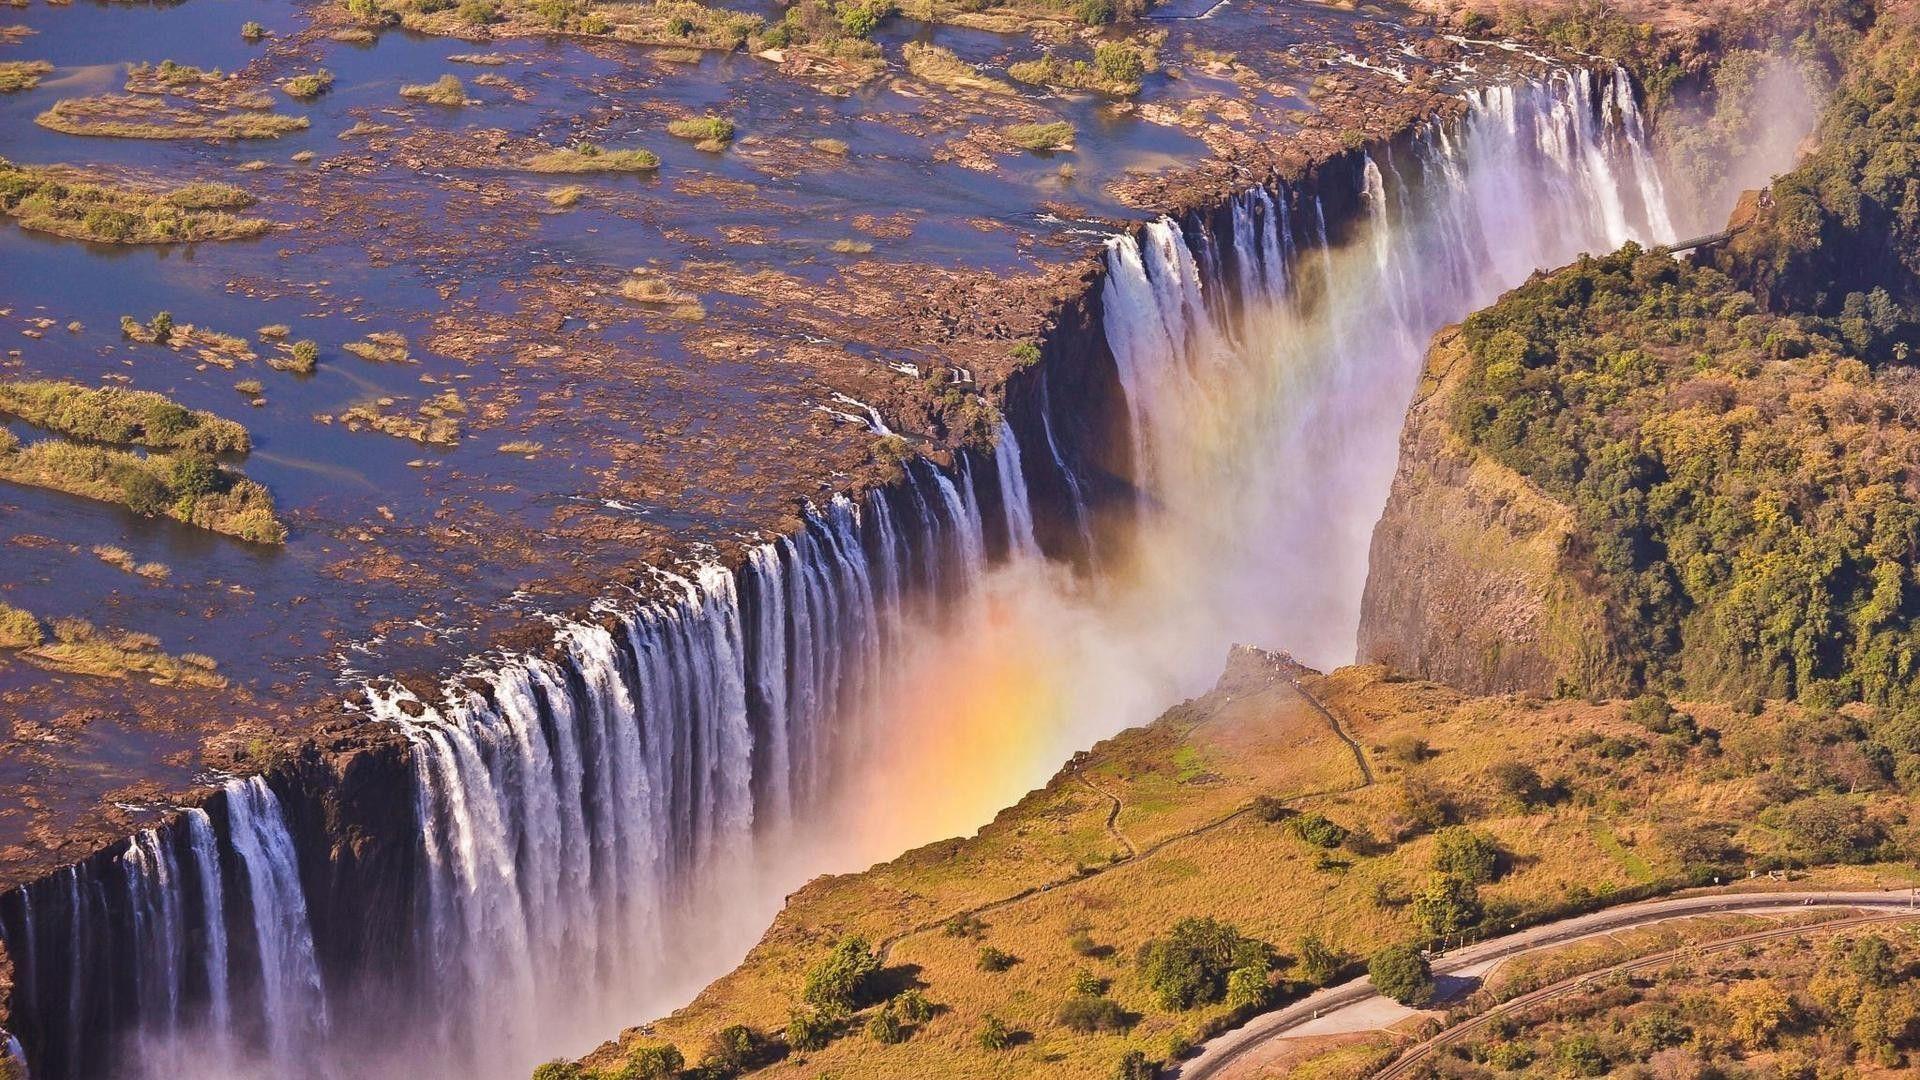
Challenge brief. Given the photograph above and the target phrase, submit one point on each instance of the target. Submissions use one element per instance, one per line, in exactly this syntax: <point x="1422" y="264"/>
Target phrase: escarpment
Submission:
<point x="1469" y="581"/>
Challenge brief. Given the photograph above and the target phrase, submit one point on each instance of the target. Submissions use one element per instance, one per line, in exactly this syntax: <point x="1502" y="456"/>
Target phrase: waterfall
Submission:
<point x="144" y="953"/>
<point x="583" y="816"/>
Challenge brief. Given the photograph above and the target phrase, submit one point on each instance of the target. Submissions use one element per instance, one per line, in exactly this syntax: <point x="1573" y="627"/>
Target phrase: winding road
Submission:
<point x="1354" y="1006"/>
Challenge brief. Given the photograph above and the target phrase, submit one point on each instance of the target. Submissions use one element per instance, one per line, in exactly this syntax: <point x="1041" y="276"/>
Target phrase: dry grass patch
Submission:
<point x="61" y="202"/>
<point x="941" y="67"/>
<point x="562" y="198"/>
<point x="309" y="86"/>
<point x="79" y="648"/>
<point x="1057" y="135"/>
<point x="115" y="415"/>
<point x="587" y="157"/>
<point x="18" y="75"/>
<point x="836" y="147"/>
<point x="381" y="347"/>
<point x="447" y="90"/>
<point x="710" y="133"/>
<point x="128" y="116"/>
<point x="434" y="422"/>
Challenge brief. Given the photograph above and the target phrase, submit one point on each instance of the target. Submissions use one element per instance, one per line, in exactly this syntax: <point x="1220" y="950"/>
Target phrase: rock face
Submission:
<point x="1467" y="578"/>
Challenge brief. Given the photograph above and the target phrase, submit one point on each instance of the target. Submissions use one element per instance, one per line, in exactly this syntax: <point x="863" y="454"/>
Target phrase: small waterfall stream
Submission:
<point x="591" y="818"/>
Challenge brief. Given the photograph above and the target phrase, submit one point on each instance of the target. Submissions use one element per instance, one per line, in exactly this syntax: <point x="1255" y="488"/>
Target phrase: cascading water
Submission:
<point x="594" y="823"/>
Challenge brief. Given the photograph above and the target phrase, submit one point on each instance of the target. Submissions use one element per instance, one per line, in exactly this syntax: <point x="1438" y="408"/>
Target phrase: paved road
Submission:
<point x="1353" y="1006"/>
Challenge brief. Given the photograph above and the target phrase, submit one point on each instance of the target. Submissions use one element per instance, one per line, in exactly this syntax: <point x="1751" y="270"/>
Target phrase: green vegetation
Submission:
<point x="1037" y="137"/>
<point x="381" y="347"/>
<point x="447" y="90"/>
<point x="18" y="629"/>
<point x="78" y="647"/>
<point x="56" y="201"/>
<point x="22" y="74"/>
<point x="843" y="980"/>
<point x="1193" y="964"/>
<point x="1743" y="545"/>
<point x="302" y="358"/>
<point x="586" y="157"/>
<point x="309" y="86"/>
<point x="1401" y="973"/>
<point x="114" y="415"/>
<point x="251" y="31"/>
<point x="189" y="487"/>
<point x="709" y="132"/>
<point x="133" y="116"/>
<point x="941" y="67"/>
<point x="435" y="421"/>
<point x="1117" y="68"/>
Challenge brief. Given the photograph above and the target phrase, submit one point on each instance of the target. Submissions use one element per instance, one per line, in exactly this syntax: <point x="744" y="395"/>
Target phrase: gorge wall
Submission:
<point x="468" y="884"/>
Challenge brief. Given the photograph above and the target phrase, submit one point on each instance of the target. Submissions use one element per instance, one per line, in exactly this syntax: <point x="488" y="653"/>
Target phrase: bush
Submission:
<point x="1579" y="1055"/>
<point x="1401" y="973"/>
<point x="161" y="327"/>
<point x="1319" y="965"/>
<point x="1467" y="854"/>
<point x="1119" y="62"/>
<point x="1087" y="984"/>
<point x="1446" y="906"/>
<point x="1830" y="828"/>
<point x="885" y="1027"/>
<point x="1269" y="809"/>
<point x="1317" y="830"/>
<point x="1087" y="1014"/>
<point x="306" y="357"/>
<point x="478" y="12"/>
<point x="810" y="1030"/>
<point x="840" y="983"/>
<point x="1247" y="988"/>
<point x="992" y="959"/>
<point x="963" y="926"/>
<point x="1094" y="12"/>
<point x="733" y="1050"/>
<point x="194" y="474"/>
<point x="1135" y="1066"/>
<point x="1190" y="966"/>
<point x="994" y="1034"/>
<point x="1519" y="782"/>
<point x="660" y="1062"/>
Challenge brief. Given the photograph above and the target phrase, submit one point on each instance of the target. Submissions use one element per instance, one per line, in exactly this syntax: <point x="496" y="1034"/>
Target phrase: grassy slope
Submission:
<point x="1200" y="766"/>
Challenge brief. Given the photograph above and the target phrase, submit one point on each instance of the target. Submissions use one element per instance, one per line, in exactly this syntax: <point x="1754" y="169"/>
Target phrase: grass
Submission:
<point x="1057" y="135"/>
<point x="16" y="75"/>
<point x="587" y="157"/>
<point x="78" y="647"/>
<point x="446" y="90"/>
<point x="127" y="116"/>
<point x="851" y="247"/>
<point x="835" y="147"/>
<point x="19" y="629"/>
<point x="931" y="63"/>
<point x="562" y="198"/>
<point x="1049" y="883"/>
<point x="196" y="492"/>
<point x="1116" y="68"/>
<point x="115" y="415"/>
<point x="1609" y="842"/>
<point x="709" y="132"/>
<point x="523" y="447"/>
<point x="62" y="202"/>
<point x="381" y="347"/>
<point x="123" y="559"/>
<point x="435" y="422"/>
<point x="309" y="86"/>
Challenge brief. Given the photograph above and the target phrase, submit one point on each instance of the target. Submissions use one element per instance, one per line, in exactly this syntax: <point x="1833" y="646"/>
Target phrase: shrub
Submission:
<point x="161" y="327"/>
<point x="1467" y="854"/>
<point x="913" y="1007"/>
<point x="1317" y="830"/>
<point x="1401" y="973"/>
<point x="306" y="357"/>
<point x="810" y="1030"/>
<point x="1247" y="988"/>
<point x="1872" y="961"/>
<point x="886" y="1028"/>
<point x="1190" y="966"/>
<point x="1579" y="1055"/>
<point x="857" y="18"/>
<point x="708" y="129"/>
<point x="447" y="90"/>
<point x="557" y="1069"/>
<point x="732" y="1050"/>
<point x="1086" y="984"/>
<point x="252" y="31"/>
<point x="993" y="1034"/>
<point x="1830" y="828"/>
<point x="194" y="474"/>
<point x="1319" y="965"/>
<point x="963" y="926"/>
<point x="1119" y="62"/>
<point x="1269" y="809"/>
<point x="1087" y="1014"/>
<point x="478" y="12"/>
<point x="840" y="983"/>
<point x="992" y="959"/>
<point x="659" y="1062"/>
<point x="1094" y="12"/>
<point x="1038" y="137"/>
<point x="1519" y="782"/>
<point x="19" y="629"/>
<point x="1135" y="1066"/>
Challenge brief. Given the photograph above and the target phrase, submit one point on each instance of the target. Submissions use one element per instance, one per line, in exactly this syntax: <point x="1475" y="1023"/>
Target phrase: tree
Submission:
<point x="733" y="1050"/>
<point x="1580" y="1055"/>
<point x="1446" y="906"/>
<point x="1319" y="965"/>
<point x="1135" y="1066"/>
<point x="557" y="1069"/>
<point x="1519" y="782"/>
<point x="1401" y="973"/>
<point x="1191" y="964"/>
<point x="1760" y="1008"/>
<point x="1467" y="854"/>
<point x="1247" y="988"/>
<point x="1317" y="830"/>
<point x="809" y="1030"/>
<point x="194" y="473"/>
<point x="1872" y="961"/>
<point x="659" y="1062"/>
<point x="838" y="984"/>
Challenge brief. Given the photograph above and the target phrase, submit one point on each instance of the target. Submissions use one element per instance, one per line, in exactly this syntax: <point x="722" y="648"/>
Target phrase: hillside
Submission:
<point x="1248" y="806"/>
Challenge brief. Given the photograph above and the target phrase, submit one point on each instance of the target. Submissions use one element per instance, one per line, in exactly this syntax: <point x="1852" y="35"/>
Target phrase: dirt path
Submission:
<point x="885" y="947"/>
<point x="1354" y="1006"/>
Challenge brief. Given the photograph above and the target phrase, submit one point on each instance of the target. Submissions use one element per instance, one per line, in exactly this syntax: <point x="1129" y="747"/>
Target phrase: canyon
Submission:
<point x="1179" y="437"/>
